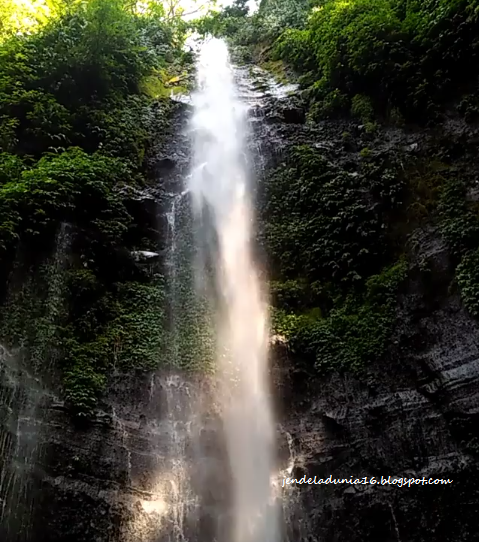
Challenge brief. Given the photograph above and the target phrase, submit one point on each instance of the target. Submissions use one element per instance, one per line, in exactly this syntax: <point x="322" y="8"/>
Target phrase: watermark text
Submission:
<point x="366" y="480"/>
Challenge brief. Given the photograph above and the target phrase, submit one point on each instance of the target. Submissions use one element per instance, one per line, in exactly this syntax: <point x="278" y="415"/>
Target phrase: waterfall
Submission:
<point x="31" y="314"/>
<point x="221" y="188"/>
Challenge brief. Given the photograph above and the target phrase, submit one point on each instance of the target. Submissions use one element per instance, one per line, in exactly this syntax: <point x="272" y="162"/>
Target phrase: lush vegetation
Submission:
<point x="335" y="300"/>
<point x="84" y="89"/>
<point x="393" y="56"/>
<point x="330" y="234"/>
<point x="412" y="56"/>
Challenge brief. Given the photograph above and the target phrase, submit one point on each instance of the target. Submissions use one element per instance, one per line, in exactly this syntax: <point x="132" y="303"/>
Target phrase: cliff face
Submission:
<point x="412" y="416"/>
<point x="156" y="441"/>
<point x="410" y="413"/>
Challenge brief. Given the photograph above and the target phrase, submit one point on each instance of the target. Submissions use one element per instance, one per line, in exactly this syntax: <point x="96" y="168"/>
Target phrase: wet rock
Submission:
<point x="166" y="164"/>
<point x="145" y="256"/>
<point x="294" y="115"/>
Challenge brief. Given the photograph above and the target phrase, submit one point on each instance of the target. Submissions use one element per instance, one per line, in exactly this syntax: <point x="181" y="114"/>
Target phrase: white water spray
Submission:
<point x="220" y="189"/>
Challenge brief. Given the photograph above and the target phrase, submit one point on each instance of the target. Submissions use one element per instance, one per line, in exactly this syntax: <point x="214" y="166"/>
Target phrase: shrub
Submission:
<point x="362" y="108"/>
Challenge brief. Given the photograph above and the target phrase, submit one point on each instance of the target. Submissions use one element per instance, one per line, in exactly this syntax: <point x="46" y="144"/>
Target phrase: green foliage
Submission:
<point x="83" y="385"/>
<point x="336" y="302"/>
<point x="311" y="202"/>
<point x="191" y="343"/>
<point x="276" y="15"/>
<point x="116" y="327"/>
<point x="459" y="221"/>
<point x="293" y="294"/>
<point x="266" y="24"/>
<point x="78" y="111"/>
<point x="362" y="108"/>
<point x="411" y="56"/>
<point x="460" y="228"/>
<point x="354" y="333"/>
<point x="11" y="167"/>
<point x="230" y="22"/>
<point x="330" y="106"/>
<point x="22" y="17"/>
<point x="79" y="78"/>
<point x="73" y="185"/>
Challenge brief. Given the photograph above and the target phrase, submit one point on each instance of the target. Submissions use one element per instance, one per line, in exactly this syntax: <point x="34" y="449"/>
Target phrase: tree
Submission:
<point x="239" y="8"/>
<point x="186" y="8"/>
<point x="24" y="17"/>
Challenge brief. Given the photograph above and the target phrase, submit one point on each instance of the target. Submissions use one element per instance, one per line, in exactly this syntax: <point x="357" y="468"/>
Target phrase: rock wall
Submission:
<point x="412" y="413"/>
<point x="150" y="467"/>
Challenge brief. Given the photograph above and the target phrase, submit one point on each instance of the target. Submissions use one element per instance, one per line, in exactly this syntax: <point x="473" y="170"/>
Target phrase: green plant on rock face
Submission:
<point x="331" y="105"/>
<point x="371" y="128"/>
<point x="312" y="202"/>
<point x="138" y="329"/>
<point x="35" y="309"/>
<point x="191" y="343"/>
<point x="355" y="332"/>
<point x="405" y="55"/>
<point x="365" y="153"/>
<point x="335" y="302"/>
<point x="76" y="119"/>
<point x="73" y="185"/>
<point x="459" y="223"/>
<point x="467" y="276"/>
<point x="83" y="385"/>
<point x="117" y="327"/>
<point x="426" y="179"/>
<point x="460" y="228"/>
<point x="362" y="108"/>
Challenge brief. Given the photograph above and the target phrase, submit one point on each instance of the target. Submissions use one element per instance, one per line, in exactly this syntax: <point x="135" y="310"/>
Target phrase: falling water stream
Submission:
<point x="221" y="188"/>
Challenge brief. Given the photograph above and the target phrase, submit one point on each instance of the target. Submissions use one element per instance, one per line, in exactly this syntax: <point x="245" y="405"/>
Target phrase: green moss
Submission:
<point x="164" y="83"/>
<point x="365" y="153"/>
<point x="277" y="68"/>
